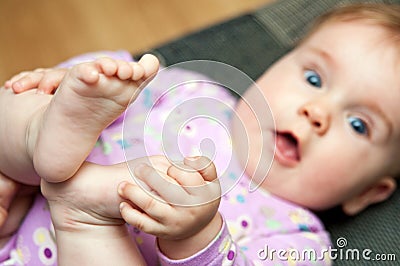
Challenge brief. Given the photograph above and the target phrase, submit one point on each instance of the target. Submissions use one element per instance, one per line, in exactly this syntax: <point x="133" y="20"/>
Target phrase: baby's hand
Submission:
<point x="15" y="200"/>
<point x="183" y="202"/>
<point x="45" y="80"/>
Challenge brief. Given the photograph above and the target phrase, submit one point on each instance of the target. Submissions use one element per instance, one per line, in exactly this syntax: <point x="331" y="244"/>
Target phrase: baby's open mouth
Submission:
<point x="287" y="148"/>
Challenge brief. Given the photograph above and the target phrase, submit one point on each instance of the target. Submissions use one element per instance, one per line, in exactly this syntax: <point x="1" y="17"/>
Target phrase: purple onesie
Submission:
<point x="258" y="228"/>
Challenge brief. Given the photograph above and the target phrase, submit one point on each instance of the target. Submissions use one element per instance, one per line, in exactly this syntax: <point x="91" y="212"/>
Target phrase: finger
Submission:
<point x="168" y="189"/>
<point x="15" y="214"/>
<point x="198" y="190"/>
<point x="51" y="80"/>
<point x="203" y="165"/>
<point x="18" y="76"/>
<point x="27" y="82"/>
<point x="3" y="216"/>
<point x="153" y="205"/>
<point x="8" y="189"/>
<point x="158" y="162"/>
<point x="7" y="84"/>
<point x="140" y="220"/>
<point x="185" y="175"/>
<point x="211" y="189"/>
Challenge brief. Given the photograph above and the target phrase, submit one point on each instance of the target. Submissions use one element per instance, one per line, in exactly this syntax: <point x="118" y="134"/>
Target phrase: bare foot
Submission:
<point x="91" y="197"/>
<point x="90" y="97"/>
<point x="86" y="217"/>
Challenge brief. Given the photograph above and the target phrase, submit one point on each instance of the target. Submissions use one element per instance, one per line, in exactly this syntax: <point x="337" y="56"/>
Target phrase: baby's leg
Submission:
<point x="90" y="97"/>
<point x="86" y="217"/>
<point x="91" y="195"/>
<point x="16" y="114"/>
<point x="60" y="132"/>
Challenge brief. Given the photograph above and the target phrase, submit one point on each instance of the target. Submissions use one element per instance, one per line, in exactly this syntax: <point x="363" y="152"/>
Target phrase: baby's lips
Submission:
<point x="287" y="146"/>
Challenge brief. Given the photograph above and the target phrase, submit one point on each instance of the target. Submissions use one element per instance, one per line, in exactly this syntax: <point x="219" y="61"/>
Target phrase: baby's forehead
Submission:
<point x="382" y="39"/>
<point x="389" y="32"/>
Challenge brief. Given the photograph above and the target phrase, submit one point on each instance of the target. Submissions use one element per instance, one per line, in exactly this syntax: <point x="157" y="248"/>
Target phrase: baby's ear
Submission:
<point x="377" y="192"/>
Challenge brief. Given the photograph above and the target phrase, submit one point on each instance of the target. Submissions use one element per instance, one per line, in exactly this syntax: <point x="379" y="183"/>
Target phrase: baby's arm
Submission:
<point x="188" y="219"/>
<point x="198" y="235"/>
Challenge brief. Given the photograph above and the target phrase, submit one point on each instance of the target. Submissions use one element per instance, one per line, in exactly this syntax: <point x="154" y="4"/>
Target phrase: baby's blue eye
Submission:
<point x="358" y="125"/>
<point x="313" y="78"/>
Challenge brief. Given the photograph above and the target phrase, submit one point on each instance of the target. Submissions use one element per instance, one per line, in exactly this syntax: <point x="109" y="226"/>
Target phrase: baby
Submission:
<point x="332" y="105"/>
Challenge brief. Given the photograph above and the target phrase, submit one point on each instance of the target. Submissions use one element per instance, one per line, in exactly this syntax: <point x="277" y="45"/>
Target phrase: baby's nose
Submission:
<point x="317" y="116"/>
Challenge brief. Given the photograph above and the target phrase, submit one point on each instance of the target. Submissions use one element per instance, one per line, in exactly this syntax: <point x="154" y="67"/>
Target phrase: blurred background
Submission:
<point x="42" y="33"/>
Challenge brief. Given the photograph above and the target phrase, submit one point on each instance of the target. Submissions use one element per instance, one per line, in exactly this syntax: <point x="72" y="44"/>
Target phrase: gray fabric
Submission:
<point x="230" y="43"/>
<point x="252" y="43"/>
<point x="375" y="229"/>
<point x="288" y="20"/>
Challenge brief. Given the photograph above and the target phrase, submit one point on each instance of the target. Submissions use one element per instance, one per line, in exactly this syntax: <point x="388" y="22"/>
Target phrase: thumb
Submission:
<point x="8" y="189"/>
<point x="203" y="165"/>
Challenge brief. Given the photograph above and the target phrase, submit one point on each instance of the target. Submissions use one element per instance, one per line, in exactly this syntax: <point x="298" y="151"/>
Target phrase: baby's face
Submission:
<point x="335" y="102"/>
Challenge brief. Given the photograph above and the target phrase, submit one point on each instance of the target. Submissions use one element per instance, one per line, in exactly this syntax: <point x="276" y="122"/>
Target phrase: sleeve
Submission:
<point x="218" y="252"/>
<point x="290" y="248"/>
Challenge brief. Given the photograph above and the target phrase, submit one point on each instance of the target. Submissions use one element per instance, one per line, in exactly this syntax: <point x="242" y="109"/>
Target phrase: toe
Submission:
<point x="51" y="81"/>
<point x="107" y="66"/>
<point x="125" y="70"/>
<point x="86" y="72"/>
<point x="138" y="71"/>
<point x="150" y="65"/>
